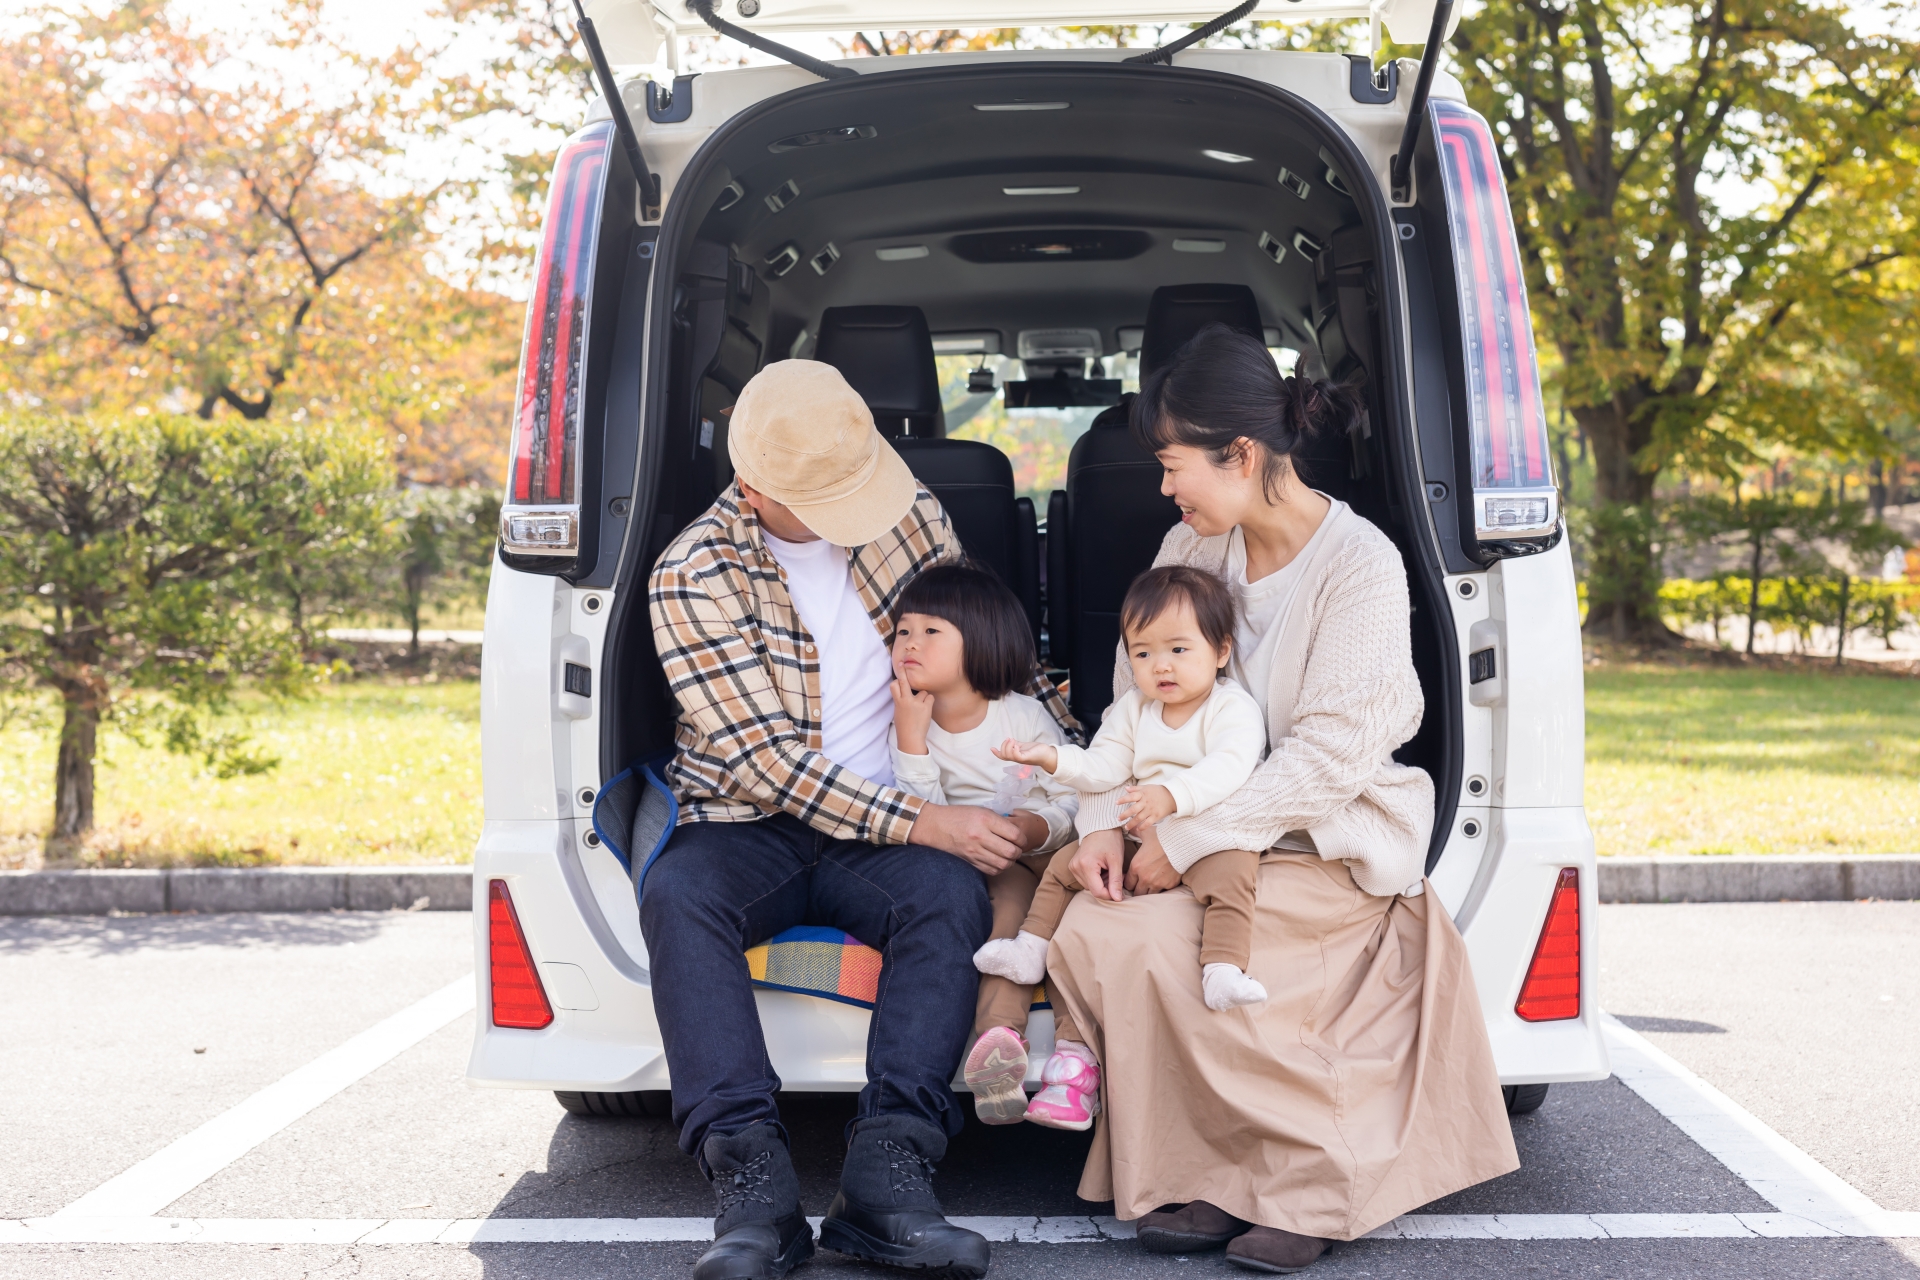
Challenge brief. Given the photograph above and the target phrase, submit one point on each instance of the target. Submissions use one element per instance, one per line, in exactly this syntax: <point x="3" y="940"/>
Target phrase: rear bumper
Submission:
<point x="576" y="908"/>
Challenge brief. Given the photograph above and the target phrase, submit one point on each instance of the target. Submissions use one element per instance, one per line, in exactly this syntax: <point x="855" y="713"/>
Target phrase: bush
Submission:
<point x="173" y="554"/>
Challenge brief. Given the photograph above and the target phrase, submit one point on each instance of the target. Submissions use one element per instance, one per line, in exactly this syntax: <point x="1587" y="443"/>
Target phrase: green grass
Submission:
<point x="372" y="771"/>
<point x="1680" y="759"/>
<point x="1701" y="760"/>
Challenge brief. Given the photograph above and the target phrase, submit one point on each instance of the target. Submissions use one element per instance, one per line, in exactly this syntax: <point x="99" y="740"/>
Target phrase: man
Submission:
<point x="771" y="613"/>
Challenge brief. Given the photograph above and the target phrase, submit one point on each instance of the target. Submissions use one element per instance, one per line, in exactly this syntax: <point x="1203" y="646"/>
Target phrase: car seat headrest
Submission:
<point x="1178" y="311"/>
<point x="885" y="354"/>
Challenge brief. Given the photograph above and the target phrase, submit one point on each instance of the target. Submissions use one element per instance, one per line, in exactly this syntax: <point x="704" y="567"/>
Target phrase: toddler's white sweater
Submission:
<point x="1202" y="762"/>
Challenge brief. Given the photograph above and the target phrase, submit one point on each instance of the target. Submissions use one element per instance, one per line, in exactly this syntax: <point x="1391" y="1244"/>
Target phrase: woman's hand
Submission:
<point x="1097" y="863"/>
<point x="1038" y="754"/>
<point x="912" y="713"/>
<point x="1150" y="871"/>
<point x="1142" y="807"/>
<point x="1033" y="829"/>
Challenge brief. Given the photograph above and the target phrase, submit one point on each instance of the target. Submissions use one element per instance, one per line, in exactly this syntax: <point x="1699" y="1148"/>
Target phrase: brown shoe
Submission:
<point x="1188" y="1228"/>
<point x="1274" y="1250"/>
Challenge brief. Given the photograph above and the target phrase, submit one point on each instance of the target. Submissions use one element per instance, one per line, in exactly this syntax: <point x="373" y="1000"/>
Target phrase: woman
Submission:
<point x="1365" y="1086"/>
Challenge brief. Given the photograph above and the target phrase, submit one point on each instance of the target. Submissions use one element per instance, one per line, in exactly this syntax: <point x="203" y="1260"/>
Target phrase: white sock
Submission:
<point x="1226" y="987"/>
<point x="1021" y="958"/>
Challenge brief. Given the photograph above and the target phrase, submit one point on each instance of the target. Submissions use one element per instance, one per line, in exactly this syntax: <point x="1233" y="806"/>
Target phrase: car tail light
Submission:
<point x="518" y="998"/>
<point x="1513" y="490"/>
<point x="541" y="516"/>
<point x="1552" y="989"/>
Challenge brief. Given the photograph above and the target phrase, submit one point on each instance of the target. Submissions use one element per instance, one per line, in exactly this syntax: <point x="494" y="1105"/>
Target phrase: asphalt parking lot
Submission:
<point x="126" y="1035"/>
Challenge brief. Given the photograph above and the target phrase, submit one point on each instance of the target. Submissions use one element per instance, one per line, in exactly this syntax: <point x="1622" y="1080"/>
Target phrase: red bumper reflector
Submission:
<point x="518" y="998"/>
<point x="1552" y="989"/>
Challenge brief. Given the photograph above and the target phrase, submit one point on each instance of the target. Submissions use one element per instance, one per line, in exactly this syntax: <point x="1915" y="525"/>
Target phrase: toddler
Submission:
<point x="1183" y="738"/>
<point x="961" y="648"/>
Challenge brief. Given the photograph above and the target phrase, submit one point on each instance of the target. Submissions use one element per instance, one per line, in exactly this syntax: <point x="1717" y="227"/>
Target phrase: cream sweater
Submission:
<point x="1202" y="762"/>
<point x="1342" y="696"/>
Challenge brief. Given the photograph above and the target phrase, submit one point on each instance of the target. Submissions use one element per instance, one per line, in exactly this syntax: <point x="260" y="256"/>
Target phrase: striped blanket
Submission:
<point x="816" y="961"/>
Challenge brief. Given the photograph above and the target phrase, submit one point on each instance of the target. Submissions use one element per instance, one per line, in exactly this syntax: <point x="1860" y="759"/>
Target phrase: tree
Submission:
<point x="184" y="230"/>
<point x="445" y="551"/>
<point x="1628" y="128"/>
<point x="148" y="553"/>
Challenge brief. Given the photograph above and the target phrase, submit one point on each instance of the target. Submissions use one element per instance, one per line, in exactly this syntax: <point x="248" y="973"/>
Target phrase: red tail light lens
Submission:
<point x="1552" y="989"/>
<point x="542" y="512"/>
<point x="518" y="998"/>
<point x="1513" y="489"/>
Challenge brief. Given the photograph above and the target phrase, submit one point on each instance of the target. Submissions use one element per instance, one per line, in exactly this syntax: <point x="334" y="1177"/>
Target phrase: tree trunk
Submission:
<point x="1840" y="645"/>
<point x="1624" y="571"/>
<point x="73" y="768"/>
<point x="1753" y="589"/>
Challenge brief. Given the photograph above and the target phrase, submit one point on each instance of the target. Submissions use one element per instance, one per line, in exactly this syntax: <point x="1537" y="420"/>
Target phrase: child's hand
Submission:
<point x="912" y="713"/>
<point x="1034" y="753"/>
<point x="1144" y="807"/>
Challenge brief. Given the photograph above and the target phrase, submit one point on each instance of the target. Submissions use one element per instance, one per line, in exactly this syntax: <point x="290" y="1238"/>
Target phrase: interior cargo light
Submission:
<point x="1514" y="493"/>
<point x="1552" y="989"/>
<point x="518" y="998"/>
<point x="541" y="516"/>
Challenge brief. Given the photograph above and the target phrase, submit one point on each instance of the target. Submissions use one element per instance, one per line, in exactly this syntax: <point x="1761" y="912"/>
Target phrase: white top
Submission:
<point x="1202" y="762"/>
<point x="856" y="703"/>
<point x="960" y="768"/>
<point x="1262" y="606"/>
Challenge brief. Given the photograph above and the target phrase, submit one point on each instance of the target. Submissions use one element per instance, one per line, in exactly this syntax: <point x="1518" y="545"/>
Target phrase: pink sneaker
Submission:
<point x="996" y="1071"/>
<point x="1069" y="1096"/>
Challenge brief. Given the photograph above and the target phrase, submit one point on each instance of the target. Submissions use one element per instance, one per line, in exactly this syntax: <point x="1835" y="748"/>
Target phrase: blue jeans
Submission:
<point x="722" y="887"/>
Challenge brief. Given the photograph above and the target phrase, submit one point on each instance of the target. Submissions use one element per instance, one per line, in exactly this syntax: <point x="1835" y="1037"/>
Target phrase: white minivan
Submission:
<point x="1053" y="219"/>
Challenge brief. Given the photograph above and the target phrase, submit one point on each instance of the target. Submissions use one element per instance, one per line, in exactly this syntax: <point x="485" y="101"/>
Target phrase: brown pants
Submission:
<point x="1223" y="883"/>
<point x="1002" y="1002"/>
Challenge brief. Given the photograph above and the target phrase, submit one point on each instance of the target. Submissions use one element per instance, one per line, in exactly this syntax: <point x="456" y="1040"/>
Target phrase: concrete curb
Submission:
<point x="98" y="893"/>
<point x="140" y="892"/>
<point x="1759" y="878"/>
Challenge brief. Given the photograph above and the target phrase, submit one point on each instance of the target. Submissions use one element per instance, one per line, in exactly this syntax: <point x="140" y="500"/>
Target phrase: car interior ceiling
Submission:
<point x="1094" y="215"/>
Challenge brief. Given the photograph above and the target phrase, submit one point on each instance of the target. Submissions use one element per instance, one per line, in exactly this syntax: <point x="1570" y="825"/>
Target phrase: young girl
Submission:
<point x="1184" y="737"/>
<point x="961" y="648"/>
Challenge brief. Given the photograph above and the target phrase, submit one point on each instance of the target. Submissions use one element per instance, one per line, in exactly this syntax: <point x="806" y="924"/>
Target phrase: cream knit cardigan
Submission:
<point x="1342" y="696"/>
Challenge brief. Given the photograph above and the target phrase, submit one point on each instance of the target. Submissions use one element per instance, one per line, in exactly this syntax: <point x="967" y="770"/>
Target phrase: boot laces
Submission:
<point x="749" y="1182"/>
<point x="907" y="1165"/>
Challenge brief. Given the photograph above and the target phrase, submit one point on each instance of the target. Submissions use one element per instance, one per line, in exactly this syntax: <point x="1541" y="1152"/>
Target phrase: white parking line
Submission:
<point x="1782" y="1174"/>
<point x="185" y="1163"/>
<point x="469" y="1231"/>
<point x="1812" y="1200"/>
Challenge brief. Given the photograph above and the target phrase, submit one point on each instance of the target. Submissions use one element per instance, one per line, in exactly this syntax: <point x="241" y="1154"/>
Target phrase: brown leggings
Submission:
<point x="1224" y="883"/>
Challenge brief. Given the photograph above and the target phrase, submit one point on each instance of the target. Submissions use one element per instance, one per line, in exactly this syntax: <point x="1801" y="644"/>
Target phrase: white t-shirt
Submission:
<point x="856" y="705"/>
<point x="1263" y="605"/>
<point x="960" y="768"/>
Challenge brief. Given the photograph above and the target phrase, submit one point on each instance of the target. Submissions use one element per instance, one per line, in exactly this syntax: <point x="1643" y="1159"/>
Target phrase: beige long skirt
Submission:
<point x="1363" y="1089"/>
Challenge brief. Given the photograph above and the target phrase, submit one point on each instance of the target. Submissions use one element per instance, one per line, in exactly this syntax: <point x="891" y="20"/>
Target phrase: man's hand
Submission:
<point x="912" y="713"/>
<point x="1142" y="807"/>
<point x="975" y="835"/>
<point x="1033" y="829"/>
<point x="1150" y="872"/>
<point x="1097" y="863"/>
<point x="1033" y="753"/>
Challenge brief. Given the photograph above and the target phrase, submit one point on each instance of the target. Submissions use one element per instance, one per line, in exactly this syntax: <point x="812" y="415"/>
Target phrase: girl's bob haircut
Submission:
<point x="999" y="655"/>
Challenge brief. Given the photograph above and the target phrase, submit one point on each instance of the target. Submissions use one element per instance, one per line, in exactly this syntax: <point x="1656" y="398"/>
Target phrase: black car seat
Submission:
<point x="1105" y="527"/>
<point x="886" y="354"/>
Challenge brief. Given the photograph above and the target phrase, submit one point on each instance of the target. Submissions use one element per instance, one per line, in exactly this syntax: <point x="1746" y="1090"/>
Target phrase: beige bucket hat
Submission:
<point x="803" y="437"/>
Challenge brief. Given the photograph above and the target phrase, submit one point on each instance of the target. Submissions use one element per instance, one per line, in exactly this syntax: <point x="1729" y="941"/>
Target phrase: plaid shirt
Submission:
<point x="743" y="668"/>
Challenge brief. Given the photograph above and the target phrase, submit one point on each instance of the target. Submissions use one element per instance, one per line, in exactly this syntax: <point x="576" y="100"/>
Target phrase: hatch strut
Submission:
<point x="1166" y="51"/>
<point x="1401" y="174"/>
<point x="806" y="62"/>
<point x="622" y="122"/>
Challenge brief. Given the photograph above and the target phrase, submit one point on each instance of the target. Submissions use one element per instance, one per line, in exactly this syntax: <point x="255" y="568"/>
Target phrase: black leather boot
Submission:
<point x="886" y="1210"/>
<point x="760" y="1232"/>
